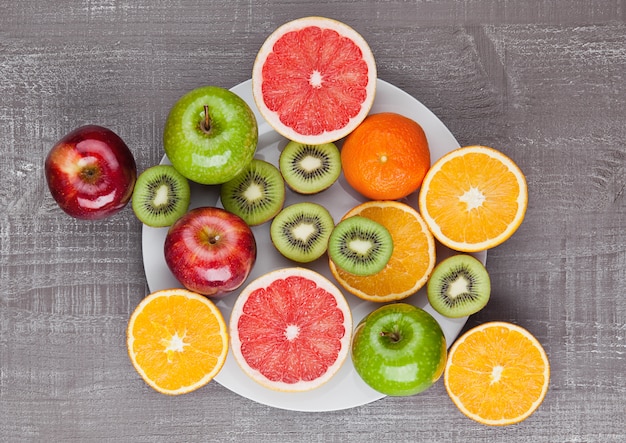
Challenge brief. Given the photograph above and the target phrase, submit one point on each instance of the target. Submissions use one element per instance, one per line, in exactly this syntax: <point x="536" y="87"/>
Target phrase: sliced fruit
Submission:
<point x="459" y="286"/>
<point x="256" y="194"/>
<point x="360" y="246"/>
<point x="161" y="196"/>
<point x="473" y="198"/>
<point x="314" y="80"/>
<point x="309" y="169"/>
<point x="497" y="373"/>
<point x="177" y="340"/>
<point x="411" y="262"/>
<point x="300" y="231"/>
<point x="291" y="330"/>
<point x="386" y="157"/>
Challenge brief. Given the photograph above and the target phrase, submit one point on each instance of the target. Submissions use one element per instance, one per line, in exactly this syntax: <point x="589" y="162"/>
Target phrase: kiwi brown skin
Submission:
<point x="360" y="246"/>
<point x="161" y="196"/>
<point x="300" y="231"/>
<point x="459" y="286"/>
<point x="256" y="194"/>
<point x="310" y="169"/>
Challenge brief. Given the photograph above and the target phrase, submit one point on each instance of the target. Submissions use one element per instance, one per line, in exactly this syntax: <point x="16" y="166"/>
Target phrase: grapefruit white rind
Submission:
<point x="263" y="282"/>
<point x="273" y="118"/>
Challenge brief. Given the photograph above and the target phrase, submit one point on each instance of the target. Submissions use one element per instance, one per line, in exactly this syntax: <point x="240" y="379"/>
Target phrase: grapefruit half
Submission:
<point x="291" y="329"/>
<point x="314" y="80"/>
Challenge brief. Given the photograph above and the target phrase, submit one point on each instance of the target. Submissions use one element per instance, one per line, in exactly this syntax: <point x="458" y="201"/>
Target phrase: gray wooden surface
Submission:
<point x="543" y="81"/>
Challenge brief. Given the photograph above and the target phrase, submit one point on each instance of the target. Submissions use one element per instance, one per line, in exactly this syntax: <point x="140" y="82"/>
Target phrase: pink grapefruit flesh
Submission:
<point x="314" y="80"/>
<point x="291" y="329"/>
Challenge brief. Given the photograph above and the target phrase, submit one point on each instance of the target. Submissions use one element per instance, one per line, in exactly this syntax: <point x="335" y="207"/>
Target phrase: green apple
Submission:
<point x="399" y="349"/>
<point x="210" y="135"/>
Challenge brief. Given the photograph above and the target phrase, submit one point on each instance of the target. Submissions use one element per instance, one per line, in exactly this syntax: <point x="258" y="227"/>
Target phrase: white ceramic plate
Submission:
<point x="345" y="389"/>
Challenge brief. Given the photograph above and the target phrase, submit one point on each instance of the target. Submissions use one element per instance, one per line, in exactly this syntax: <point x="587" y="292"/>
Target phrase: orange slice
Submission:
<point x="473" y="198"/>
<point x="497" y="373"/>
<point x="177" y="340"/>
<point x="411" y="262"/>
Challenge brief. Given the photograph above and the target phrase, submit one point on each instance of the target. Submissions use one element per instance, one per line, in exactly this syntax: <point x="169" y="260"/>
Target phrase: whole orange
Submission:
<point x="386" y="157"/>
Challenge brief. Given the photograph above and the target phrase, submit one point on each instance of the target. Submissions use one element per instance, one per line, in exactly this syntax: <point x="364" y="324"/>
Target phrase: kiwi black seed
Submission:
<point x="360" y="246"/>
<point x="300" y="231"/>
<point x="459" y="286"/>
<point x="256" y="194"/>
<point x="161" y="196"/>
<point x="309" y="169"/>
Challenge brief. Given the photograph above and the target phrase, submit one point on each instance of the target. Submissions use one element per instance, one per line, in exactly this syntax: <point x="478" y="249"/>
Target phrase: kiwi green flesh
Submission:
<point x="161" y="196"/>
<point x="459" y="286"/>
<point x="360" y="246"/>
<point x="300" y="231"/>
<point x="309" y="169"/>
<point x="256" y="194"/>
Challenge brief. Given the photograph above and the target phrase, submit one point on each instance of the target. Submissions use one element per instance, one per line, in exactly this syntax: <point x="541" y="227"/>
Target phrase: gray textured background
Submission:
<point x="543" y="81"/>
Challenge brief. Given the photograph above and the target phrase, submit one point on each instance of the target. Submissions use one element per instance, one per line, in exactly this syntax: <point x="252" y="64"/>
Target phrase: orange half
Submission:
<point x="473" y="198"/>
<point x="497" y="373"/>
<point x="177" y="340"/>
<point x="412" y="260"/>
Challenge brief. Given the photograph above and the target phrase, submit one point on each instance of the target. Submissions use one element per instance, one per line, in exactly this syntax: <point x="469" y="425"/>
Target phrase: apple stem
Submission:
<point x="393" y="336"/>
<point x="206" y="126"/>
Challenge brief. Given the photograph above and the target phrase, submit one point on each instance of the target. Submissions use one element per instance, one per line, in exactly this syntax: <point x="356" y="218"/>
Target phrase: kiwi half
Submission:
<point x="161" y="196"/>
<point x="300" y="231"/>
<point x="360" y="246"/>
<point x="309" y="169"/>
<point x="459" y="286"/>
<point x="256" y="194"/>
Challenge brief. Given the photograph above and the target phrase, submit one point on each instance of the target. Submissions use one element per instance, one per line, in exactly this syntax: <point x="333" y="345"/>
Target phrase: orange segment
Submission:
<point x="177" y="340"/>
<point x="386" y="156"/>
<point x="411" y="262"/>
<point x="497" y="373"/>
<point x="473" y="198"/>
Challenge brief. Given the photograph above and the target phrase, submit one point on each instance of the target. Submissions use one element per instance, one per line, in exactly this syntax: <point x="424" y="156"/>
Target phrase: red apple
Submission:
<point x="91" y="173"/>
<point x="210" y="251"/>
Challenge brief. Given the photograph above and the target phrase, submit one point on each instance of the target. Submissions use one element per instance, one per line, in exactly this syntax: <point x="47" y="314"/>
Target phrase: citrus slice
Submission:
<point x="314" y="80"/>
<point x="411" y="262"/>
<point x="177" y="340"/>
<point x="291" y="329"/>
<point x="497" y="373"/>
<point x="473" y="198"/>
